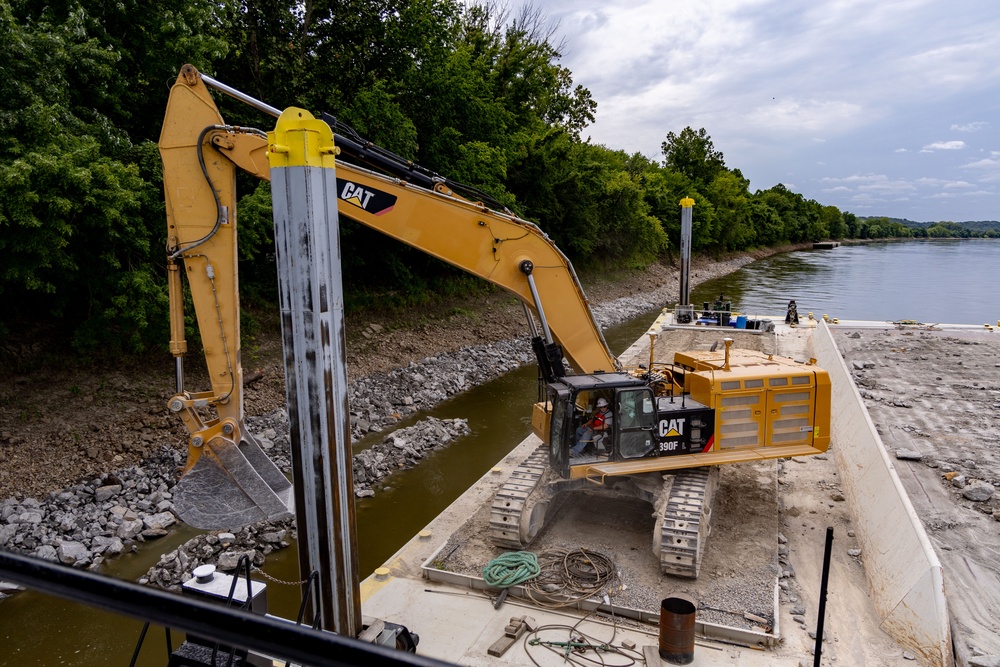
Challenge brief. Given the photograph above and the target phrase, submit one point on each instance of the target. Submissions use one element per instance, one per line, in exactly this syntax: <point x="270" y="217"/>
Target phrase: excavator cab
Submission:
<point x="570" y="406"/>
<point x="644" y="425"/>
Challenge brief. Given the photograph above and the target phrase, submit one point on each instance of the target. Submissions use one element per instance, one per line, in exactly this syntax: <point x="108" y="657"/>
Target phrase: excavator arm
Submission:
<point x="200" y="156"/>
<point x="500" y="248"/>
<point x="235" y="483"/>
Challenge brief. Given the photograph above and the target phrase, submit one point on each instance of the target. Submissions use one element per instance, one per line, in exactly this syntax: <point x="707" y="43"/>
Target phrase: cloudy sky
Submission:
<point x="879" y="107"/>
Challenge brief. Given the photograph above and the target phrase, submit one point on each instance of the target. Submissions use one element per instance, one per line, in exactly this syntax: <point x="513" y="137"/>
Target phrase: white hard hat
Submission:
<point x="602" y="403"/>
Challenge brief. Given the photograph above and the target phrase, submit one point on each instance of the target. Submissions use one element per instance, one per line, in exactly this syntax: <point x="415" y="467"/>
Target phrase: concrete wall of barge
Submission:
<point x="904" y="575"/>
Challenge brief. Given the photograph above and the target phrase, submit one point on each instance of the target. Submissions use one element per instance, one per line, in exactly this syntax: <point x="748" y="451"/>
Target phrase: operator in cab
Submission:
<point x="600" y="423"/>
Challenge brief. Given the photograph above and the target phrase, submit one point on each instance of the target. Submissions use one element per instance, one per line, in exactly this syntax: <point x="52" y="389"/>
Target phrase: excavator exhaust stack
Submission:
<point x="232" y="485"/>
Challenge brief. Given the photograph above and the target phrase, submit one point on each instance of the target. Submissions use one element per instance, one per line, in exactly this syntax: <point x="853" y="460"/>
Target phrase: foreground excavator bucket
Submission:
<point x="232" y="486"/>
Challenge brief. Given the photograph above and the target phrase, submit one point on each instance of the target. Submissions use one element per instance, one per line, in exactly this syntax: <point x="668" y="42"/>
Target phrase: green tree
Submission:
<point x="851" y="224"/>
<point x="782" y="202"/>
<point x="693" y="154"/>
<point x="766" y="222"/>
<point x="730" y="196"/>
<point x="138" y="49"/>
<point x="833" y="221"/>
<point x="72" y="232"/>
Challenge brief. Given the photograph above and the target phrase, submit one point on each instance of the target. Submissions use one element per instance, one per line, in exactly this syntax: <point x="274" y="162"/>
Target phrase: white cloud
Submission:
<point x="864" y="198"/>
<point x="945" y="146"/>
<point x="953" y="185"/>
<point x="974" y="126"/>
<point x="806" y="116"/>
<point x="855" y="178"/>
<point x="888" y="187"/>
<point x="767" y="79"/>
<point x="982" y="164"/>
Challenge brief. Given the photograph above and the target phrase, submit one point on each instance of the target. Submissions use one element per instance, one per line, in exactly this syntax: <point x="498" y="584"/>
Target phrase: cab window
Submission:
<point x="636" y="415"/>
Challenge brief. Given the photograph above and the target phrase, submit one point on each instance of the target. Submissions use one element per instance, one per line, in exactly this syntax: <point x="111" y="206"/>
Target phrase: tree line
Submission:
<point x="901" y="228"/>
<point x="472" y="92"/>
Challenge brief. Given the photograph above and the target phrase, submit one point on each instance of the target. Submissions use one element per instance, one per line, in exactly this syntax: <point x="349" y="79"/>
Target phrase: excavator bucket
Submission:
<point x="232" y="486"/>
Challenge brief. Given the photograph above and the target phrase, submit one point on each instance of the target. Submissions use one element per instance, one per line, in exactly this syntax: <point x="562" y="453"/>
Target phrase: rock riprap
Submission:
<point x="95" y="519"/>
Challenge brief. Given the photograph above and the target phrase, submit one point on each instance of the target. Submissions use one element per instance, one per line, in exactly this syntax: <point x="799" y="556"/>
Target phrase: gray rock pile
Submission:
<point x="403" y="449"/>
<point x="90" y="521"/>
<point x="966" y="478"/>
<point x="617" y="311"/>
<point x="380" y="400"/>
<point x="221" y="549"/>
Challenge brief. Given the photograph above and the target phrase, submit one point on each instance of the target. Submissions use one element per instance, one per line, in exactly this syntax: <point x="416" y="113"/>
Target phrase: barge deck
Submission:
<point x="768" y="542"/>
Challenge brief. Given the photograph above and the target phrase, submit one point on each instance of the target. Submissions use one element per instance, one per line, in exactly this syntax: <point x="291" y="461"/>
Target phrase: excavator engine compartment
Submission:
<point x="684" y="426"/>
<point x="761" y="400"/>
<point x="714" y="407"/>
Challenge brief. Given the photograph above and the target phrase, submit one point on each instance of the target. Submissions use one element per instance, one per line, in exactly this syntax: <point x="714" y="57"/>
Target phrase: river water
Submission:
<point x="929" y="281"/>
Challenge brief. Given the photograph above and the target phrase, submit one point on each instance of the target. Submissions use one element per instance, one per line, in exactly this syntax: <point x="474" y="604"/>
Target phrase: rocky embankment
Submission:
<point x="88" y="522"/>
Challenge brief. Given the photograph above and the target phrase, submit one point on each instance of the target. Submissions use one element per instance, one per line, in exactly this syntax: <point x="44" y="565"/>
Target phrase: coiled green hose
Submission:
<point x="511" y="569"/>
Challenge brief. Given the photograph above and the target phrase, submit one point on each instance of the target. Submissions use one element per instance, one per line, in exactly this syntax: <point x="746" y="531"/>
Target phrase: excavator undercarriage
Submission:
<point x="681" y="502"/>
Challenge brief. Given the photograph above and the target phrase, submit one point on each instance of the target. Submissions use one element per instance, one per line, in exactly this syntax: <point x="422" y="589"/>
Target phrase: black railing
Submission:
<point x="229" y="626"/>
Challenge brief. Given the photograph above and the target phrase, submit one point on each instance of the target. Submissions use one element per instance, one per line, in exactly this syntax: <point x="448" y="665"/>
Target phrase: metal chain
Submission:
<point x="281" y="581"/>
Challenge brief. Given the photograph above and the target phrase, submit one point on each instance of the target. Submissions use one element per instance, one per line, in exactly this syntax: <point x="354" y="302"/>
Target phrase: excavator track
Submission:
<point x="511" y="525"/>
<point x="685" y="523"/>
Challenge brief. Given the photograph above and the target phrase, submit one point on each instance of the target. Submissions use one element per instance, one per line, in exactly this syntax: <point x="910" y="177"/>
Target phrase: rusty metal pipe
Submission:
<point x="676" y="639"/>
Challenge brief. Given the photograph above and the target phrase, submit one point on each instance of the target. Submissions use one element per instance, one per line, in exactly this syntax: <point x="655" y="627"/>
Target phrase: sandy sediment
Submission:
<point x="934" y="396"/>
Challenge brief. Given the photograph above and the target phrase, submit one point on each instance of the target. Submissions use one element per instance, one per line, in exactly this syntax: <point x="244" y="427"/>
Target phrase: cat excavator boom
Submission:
<point x="201" y="156"/>
<point x="684" y="418"/>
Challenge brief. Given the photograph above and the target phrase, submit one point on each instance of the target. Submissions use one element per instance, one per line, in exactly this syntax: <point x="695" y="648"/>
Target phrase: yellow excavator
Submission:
<point x="685" y="417"/>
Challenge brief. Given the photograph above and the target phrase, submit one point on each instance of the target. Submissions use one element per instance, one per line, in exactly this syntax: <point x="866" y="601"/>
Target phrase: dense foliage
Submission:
<point x="469" y="91"/>
<point x="902" y="228"/>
